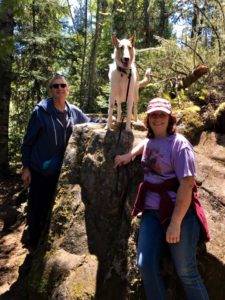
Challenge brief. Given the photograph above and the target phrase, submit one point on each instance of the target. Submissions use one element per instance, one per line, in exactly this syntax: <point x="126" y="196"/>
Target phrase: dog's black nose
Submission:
<point x="126" y="59"/>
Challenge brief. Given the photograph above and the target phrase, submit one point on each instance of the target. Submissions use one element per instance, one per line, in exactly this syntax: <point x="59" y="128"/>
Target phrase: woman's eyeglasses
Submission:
<point x="57" y="85"/>
<point x="160" y="115"/>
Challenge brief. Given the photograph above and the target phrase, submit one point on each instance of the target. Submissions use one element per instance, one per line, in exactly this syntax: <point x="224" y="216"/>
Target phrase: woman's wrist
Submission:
<point x="131" y="155"/>
<point x="176" y="220"/>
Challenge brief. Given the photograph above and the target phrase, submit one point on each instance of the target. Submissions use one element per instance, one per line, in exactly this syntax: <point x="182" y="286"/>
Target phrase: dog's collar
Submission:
<point x="123" y="70"/>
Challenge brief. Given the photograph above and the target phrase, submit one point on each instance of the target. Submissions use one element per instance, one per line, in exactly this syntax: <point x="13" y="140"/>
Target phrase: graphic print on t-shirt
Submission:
<point x="160" y="163"/>
<point x="151" y="161"/>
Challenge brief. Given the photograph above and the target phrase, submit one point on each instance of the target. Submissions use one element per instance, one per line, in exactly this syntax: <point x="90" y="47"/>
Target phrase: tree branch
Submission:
<point x="71" y="15"/>
<point x="199" y="56"/>
<point x="198" y="72"/>
<point x="212" y="26"/>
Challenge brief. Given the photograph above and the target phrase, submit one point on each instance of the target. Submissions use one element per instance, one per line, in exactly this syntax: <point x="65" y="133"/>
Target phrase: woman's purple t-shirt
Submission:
<point x="165" y="158"/>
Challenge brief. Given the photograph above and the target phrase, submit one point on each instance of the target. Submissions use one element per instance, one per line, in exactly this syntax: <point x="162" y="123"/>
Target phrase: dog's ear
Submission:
<point x="132" y="40"/>
<point x="115" y="40"/>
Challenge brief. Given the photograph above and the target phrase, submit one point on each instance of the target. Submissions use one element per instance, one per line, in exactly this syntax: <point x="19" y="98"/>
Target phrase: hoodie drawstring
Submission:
<point x="56" y="141"/>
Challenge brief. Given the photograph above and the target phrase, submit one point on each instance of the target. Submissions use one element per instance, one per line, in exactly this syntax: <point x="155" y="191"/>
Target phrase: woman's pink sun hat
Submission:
<point x="159" y="104"/>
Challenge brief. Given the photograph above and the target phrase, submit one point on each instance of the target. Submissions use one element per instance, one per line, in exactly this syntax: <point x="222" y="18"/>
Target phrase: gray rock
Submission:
<point x="92" y="237"/>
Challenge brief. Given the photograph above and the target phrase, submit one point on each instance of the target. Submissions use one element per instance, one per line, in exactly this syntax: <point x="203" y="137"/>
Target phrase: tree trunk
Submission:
<point x="152" y="26"/>
<point x="6" y="33"/>
<point x="162" y="20"/>
<point x="36" y="88"/>
<point x="84" y="55"/>
<point x="91" y="92"/>
<point x="194" y="21"/>
<point x="119" y="25"/>
<point x="147" y="28"/>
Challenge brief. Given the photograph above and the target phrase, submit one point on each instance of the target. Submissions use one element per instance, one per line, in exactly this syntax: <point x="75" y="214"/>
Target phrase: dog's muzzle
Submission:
<point x="125" y="62"/>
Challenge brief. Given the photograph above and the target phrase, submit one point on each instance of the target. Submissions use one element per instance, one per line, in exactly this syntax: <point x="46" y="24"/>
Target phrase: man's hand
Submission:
<point x="173" y="233"/>
<point x="26" y="177"/>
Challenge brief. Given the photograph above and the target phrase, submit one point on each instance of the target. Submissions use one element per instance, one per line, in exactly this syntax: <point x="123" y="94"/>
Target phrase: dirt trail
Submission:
<point x="12" y="223"/>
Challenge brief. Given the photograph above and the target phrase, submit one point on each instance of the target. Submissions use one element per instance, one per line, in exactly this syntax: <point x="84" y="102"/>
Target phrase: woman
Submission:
<point x="43" y="147"/>
<point x="170" y="210"/>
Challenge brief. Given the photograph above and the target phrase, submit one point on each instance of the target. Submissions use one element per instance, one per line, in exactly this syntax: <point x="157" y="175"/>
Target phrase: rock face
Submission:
<point x="210" y="154"/>
<point x="220" y="118"/>
<point x="90" y="251"/>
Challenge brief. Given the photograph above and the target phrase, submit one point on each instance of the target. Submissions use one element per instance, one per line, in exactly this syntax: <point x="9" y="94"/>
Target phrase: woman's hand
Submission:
<point x="26" y="177"/>
<point x="173" y="233"/>
<point x="126" y="158"/>
<point x="183" y="201"/>
<point x="122" y="159"/>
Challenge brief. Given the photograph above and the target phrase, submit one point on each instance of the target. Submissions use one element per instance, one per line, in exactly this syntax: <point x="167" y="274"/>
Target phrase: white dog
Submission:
<point x="122" y="90"/>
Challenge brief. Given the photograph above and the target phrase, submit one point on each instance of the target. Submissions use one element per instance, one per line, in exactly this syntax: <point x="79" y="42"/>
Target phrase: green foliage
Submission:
<point x="148" y="93"/>
<point x="160" y="23"/>
<point x="102" y="99"/>
<point x="41" y="278"/>
<point x="45" y="43"/>
<point x="220" y="110"/>
<point x="192" y="122"/>
<point x="36" y="58"/>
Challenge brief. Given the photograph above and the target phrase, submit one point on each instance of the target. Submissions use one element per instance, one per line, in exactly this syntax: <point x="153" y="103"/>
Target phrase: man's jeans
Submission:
<point x="40" y="203"/>
<point x="151" y="244"/>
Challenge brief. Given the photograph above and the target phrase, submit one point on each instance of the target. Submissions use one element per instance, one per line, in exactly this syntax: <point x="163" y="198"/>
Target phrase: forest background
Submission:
<point x="41" y="38"/>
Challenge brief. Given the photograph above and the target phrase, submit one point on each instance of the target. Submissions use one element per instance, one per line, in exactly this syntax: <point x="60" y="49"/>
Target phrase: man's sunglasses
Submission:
<point x="57" y="85"/>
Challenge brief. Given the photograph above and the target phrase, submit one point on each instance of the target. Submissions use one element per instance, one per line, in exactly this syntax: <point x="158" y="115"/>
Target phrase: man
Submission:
<point x="43" y="148"/>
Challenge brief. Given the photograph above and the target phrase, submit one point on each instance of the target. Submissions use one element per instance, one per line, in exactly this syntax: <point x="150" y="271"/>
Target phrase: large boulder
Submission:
<point x="220" y="118"/>
<point x="90" y="252"/>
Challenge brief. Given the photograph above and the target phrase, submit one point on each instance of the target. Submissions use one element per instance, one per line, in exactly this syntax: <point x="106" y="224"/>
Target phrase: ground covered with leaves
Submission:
<point x="12" y="223"/>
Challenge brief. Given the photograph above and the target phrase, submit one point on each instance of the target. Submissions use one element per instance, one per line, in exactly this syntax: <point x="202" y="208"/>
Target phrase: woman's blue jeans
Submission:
<point x="151" y="244"/>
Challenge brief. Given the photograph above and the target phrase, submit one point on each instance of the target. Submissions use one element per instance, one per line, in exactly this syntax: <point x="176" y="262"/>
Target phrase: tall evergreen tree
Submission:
<point x="6" y="46"/>
<point x="39" y="43"/>
<point x="91" y="89"/>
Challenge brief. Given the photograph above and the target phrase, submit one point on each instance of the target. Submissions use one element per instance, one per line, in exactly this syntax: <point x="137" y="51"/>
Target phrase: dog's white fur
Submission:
<point x="124" y="58"/>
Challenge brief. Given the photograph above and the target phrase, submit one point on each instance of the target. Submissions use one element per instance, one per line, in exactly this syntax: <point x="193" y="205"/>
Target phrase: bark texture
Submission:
<point x="6" y="38"/>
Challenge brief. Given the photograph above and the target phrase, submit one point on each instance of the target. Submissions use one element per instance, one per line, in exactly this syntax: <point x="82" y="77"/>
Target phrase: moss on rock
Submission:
<point x="220" y="118"/>
<point x="192" y="123"/>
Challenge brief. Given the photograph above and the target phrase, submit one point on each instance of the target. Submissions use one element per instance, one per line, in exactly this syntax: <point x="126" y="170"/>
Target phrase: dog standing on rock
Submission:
<point x="124" y="80"/>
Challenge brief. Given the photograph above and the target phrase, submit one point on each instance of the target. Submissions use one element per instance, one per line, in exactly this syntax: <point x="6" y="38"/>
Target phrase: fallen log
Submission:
<point x="177" y="84"/>
<point x="187" y="81"/>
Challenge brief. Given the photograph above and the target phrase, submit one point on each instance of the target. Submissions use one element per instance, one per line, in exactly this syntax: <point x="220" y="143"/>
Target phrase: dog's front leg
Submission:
<point x="129" y="113"/>
<point x="135" y="111"/>
<point x="119" y="111"/>
<point x="110" y="113"/>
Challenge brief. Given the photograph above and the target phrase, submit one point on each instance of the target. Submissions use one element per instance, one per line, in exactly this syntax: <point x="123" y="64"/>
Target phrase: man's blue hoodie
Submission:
<point x="46" y="138"/>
